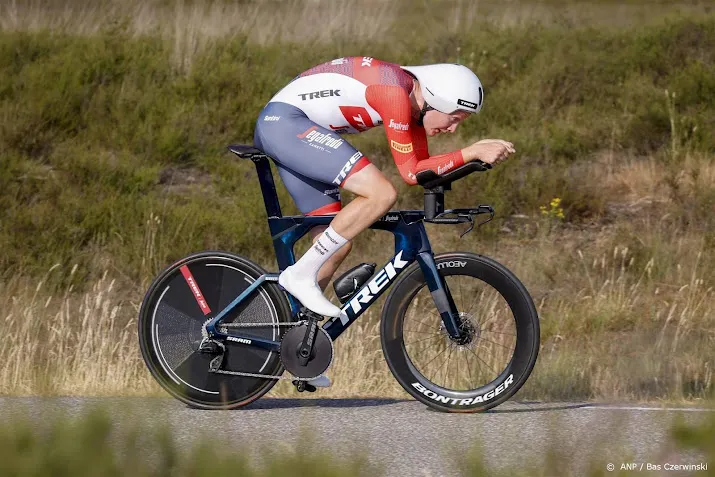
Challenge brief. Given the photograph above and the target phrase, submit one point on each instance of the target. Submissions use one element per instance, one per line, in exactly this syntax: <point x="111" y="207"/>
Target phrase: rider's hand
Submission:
<point x="491" y="151"/>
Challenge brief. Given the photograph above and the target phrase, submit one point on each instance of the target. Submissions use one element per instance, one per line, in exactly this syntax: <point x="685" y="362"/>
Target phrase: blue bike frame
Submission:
<point x="411" y="243"/>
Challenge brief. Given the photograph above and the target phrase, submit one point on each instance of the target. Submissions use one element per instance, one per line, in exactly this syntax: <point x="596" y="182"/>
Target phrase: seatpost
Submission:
<point x="268" y="186"/>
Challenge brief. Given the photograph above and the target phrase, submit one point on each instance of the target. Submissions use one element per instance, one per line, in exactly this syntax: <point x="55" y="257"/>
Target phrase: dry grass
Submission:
<point x="191" y="25"/>
<point x="617" y="323"/>
<point x="267" y="21"/>
<point x="624" y="303"/>
<point x="69" y="345"/>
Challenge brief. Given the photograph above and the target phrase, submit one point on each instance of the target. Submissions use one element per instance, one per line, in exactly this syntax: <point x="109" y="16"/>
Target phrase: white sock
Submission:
<point x="323" y="248"/>
<point x="301" y="279"/>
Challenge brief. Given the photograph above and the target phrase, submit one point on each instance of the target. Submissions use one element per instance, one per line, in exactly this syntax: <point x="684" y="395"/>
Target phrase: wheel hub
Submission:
<point x="469" y="331"/>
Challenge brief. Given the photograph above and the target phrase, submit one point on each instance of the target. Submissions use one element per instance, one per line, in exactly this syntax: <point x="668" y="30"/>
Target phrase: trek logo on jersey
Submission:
<point x="399" y="147"/>
<point x="347" y="167"/>
<point x="372" y="290"/>
<point x="317" y="139"/>
<point x="398" y="126"/>
<point x="271" y="118"/>
<point x="366" y="61"/>
<point x="326" y="93"/>
<point x="442" y="170"/>
<point x="468" y="104"/>
<point x="358" y="117"/>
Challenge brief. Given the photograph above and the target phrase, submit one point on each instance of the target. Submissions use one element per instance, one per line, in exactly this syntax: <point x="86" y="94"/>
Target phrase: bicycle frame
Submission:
<point x="411" y="243"/>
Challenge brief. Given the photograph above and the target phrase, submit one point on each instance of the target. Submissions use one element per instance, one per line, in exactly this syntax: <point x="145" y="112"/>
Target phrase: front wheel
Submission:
<point x="497" y="350"/>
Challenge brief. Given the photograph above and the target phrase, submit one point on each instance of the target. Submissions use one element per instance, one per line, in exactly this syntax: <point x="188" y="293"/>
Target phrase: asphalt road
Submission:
<point x="408" y="438"/>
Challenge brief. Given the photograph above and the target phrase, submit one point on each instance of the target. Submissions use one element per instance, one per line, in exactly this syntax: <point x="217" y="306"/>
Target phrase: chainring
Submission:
<point x="320" y="359"/>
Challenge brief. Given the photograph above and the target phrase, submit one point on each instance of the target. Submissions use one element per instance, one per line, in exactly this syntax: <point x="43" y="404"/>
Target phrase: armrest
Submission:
<point x="429" y="179"/>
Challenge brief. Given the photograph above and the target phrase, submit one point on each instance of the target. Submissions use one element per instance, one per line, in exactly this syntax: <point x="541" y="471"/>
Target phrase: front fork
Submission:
<point x="440" y="294"/>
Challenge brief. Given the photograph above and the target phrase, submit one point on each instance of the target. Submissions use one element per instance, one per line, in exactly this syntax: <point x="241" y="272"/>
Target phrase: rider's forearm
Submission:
<point x="441" y="163"/>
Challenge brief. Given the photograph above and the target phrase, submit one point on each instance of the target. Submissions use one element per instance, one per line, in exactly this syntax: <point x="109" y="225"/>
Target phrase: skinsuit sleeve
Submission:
<point x="407" y="140"/>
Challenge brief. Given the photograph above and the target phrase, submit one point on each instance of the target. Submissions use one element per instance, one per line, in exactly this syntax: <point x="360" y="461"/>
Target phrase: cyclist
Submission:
<point x="300" y="126"/>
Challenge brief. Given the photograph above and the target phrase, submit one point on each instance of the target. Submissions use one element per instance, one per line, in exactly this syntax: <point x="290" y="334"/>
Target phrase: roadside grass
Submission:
<point x="624" y="307"/>
<point x="99" y="443"/>
<point x="112" y="165"/>
<point x="99" y="133"/>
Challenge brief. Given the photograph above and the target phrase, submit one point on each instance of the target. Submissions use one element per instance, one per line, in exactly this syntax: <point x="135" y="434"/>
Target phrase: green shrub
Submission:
<point x="91" y="125"/>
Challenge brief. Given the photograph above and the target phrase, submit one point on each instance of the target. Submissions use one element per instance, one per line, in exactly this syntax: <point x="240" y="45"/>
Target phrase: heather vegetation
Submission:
<point x="114" y="119"/>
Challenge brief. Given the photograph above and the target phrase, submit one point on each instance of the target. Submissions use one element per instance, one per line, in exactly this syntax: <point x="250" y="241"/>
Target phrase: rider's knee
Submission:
<point x="387" y="196"/>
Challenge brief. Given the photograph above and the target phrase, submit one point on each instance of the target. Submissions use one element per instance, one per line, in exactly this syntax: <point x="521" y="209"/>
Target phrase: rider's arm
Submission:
<point x="408" y="142"/>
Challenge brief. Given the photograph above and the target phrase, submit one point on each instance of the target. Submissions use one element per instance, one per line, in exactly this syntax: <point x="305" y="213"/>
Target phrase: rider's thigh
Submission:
<point x="312" y="197"/>
<point x="370" y="182"/>
<point x="313" y="162"/>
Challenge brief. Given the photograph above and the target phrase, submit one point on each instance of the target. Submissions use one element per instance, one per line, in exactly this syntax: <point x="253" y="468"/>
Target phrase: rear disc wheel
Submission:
<point x="172" y="316"/>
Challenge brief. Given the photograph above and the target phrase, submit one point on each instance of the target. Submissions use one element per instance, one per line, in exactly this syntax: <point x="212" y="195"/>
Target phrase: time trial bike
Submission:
<point x="459" y="331"/>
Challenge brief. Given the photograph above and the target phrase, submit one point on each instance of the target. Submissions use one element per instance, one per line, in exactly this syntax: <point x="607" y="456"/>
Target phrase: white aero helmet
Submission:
<point x="449" y="87"/>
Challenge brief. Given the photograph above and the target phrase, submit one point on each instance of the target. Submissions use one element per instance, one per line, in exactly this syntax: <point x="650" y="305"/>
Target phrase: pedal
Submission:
<point x="351" y="281"/>
<point x="304" y="386"/>
<point x="310" y="314"/>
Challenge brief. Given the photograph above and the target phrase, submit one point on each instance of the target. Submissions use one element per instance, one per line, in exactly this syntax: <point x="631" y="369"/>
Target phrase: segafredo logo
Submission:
<point x="271" y="118"/>
<point x="346" y="168"/>
<point x="313" y="137"/>
<point x="442" y="170"/>
<point x="451" y="264"/>
<point x="398" y="126"/>
<point x="370" y="292"/>
<point x="464" y="402"/>
<point x="239" y="340"/>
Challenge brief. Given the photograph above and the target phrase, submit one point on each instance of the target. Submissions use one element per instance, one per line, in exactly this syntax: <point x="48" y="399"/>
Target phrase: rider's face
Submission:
<point x="436" y="122"/>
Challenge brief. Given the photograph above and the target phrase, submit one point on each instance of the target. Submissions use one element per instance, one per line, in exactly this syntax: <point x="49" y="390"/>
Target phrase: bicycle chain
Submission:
<point x="257" y="325"/>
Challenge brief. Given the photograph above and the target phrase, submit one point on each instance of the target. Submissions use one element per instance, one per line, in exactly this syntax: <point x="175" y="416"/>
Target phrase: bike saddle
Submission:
<point x="245" y="151"/>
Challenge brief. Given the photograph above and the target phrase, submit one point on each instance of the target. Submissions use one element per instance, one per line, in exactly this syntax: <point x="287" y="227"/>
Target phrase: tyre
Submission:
<point x="171" y="320"/>
<point x="470" y="375"/>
